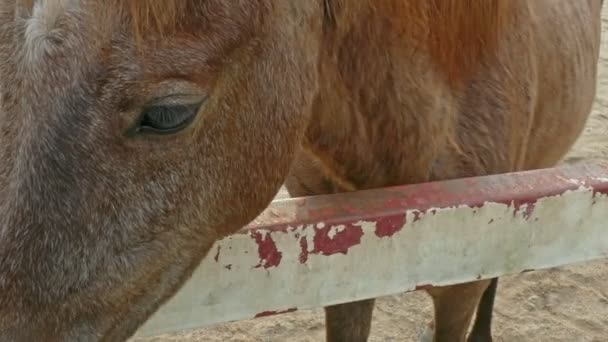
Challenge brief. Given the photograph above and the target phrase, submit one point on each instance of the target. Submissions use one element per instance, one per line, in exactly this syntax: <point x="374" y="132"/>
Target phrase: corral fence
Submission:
<point x="317" y="251"/>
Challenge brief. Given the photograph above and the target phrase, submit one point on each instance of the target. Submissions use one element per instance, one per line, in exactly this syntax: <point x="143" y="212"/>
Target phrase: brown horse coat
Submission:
<point x="135" y="133"/>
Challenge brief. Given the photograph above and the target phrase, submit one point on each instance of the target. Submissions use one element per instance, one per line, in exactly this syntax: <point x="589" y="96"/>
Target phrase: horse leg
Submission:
<point x="482" y="328"/>
<point x="454" y="309"/>
<point x="350" y="322"/>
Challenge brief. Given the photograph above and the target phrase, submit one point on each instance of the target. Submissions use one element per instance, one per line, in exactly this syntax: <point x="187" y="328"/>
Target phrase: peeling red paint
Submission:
<point x="340" y="243"/>
<point x="272" y="313"/>
<point x="390" y="226"/>
<point x="324" y="244"/>
<point x="597" y="192"/>
<point x="301" y="222"/>
<point x="379" y="204"/>
<point x="387" y="207"/>
<point x="268" y="252"/>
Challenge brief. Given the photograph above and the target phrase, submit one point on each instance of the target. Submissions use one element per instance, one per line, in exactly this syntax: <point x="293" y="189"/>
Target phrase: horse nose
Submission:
<point x="43" y="259"/>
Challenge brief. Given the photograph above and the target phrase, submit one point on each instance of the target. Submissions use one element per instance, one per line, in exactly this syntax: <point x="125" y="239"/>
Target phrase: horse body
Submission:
<point x="505" y="118"/>
<point x="103" y="218"/>
<point x="382" y="119"/>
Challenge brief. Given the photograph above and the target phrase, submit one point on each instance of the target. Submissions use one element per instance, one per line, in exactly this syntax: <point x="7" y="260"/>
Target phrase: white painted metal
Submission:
<point x="449" y="246"/>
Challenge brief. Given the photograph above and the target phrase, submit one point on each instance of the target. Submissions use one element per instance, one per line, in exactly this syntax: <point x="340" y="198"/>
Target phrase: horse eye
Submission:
<point x="166" y="119"/>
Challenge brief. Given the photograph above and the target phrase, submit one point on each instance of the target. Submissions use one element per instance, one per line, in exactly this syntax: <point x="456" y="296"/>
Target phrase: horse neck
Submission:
<point x="455" y="34"/>
<point x="359" y="110"/>
<point x="382" y="82"/>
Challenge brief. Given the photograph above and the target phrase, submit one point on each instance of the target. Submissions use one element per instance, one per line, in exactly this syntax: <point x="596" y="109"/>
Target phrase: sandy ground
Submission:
<point x="568" y="304"/>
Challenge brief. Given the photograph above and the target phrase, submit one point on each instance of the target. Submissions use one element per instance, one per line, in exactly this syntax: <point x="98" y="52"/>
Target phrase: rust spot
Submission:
<point x="418" y="215"/>
<point x="526" y="207"/>
<point x="228" y="267"/>
<point x="303" y="250"/>
<point x="269" y="255"/>
<point x="424" y="287"/>
<point x="272" y="313"/>
<point x="217" y="254"/>
<point x="389" y="226"/>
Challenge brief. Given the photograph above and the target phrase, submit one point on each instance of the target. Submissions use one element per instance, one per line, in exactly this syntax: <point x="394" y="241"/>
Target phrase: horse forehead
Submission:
<point x="43" y="23"/>
<point x="45" y="13"/>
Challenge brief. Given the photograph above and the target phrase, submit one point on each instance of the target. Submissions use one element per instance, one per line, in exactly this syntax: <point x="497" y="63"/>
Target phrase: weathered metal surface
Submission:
<point x="318" y="251"/>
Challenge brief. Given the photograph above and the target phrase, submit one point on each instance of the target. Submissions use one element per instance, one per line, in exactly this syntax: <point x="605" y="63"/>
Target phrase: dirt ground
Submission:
<point x="568" y="304"/>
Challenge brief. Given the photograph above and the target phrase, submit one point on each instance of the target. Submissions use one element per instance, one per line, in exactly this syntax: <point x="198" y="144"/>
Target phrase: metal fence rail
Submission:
<point x="317" y="251"/>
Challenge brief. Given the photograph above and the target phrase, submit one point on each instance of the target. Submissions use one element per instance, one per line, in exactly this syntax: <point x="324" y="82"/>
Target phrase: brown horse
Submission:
<point x="135" y="133"/>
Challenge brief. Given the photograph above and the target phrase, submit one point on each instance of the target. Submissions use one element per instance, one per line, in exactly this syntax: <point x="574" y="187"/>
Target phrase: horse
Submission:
<point x="134" y="134"/>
